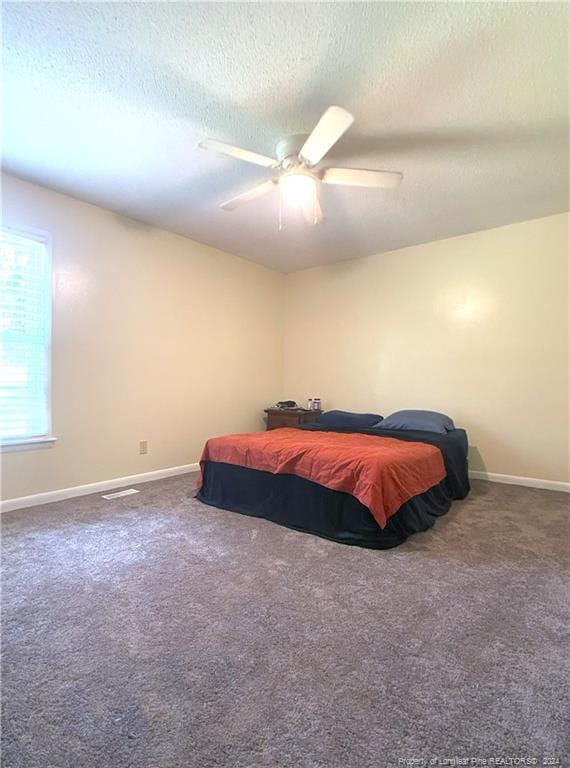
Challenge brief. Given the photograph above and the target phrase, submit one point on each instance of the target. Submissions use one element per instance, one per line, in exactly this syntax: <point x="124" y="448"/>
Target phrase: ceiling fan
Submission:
<point x="297" y="157"/>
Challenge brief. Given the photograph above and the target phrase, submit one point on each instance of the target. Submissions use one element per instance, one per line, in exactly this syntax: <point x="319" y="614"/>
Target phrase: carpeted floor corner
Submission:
<point x="155" y="632"/>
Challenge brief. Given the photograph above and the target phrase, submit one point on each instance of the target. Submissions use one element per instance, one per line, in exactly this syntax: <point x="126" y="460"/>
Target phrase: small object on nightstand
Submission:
<point x="290" y="417"/>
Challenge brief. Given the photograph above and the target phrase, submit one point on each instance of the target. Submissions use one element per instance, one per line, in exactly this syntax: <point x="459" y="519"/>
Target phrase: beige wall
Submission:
<point x="159" y="338"/>
<point x="475" y="326"/>
<point x="155" y="338"/>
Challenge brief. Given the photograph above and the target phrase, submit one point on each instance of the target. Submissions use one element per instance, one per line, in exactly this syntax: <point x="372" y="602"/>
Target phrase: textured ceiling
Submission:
<point x="107" y="102"/>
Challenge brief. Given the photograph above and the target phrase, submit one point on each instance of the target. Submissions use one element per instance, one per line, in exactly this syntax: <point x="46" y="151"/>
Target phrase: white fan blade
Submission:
<point x="333" y="123"/>
<point x="246" y="197"/>
<point x="312" y="210"/>
<point x="241" y="154"/>
<point x="359" y="178"/>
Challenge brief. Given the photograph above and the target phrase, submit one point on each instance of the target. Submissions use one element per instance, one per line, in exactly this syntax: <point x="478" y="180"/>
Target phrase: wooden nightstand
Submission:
<point x="289" y="417"/>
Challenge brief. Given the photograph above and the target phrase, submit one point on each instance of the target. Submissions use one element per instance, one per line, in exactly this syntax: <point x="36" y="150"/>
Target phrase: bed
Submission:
<point x="367" y="487"/>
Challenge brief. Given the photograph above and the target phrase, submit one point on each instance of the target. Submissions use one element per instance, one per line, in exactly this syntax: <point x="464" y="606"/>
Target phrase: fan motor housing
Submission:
<point x="287" y="150"/>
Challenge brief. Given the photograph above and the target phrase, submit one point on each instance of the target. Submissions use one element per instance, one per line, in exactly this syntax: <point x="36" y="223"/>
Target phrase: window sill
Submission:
<point x="27" y="443"/>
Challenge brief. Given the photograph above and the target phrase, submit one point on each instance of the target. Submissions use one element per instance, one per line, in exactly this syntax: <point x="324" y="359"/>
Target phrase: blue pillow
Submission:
<point x="425" y="421"/>
<point x="348" y="419"/>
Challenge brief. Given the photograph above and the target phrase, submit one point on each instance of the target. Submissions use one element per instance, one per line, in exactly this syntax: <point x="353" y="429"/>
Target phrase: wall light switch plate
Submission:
<point x="143" y="447"/>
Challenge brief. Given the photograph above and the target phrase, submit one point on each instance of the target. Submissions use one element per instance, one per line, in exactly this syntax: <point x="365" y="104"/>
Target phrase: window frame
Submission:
<point x="47" y="440"/>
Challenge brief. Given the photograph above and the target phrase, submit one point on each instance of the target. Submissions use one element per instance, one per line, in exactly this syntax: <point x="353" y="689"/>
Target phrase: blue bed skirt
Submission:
<point x="306" y="506"/>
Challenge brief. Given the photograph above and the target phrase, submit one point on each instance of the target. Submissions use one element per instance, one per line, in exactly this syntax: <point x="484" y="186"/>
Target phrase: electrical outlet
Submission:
<point x="143" y="447"/>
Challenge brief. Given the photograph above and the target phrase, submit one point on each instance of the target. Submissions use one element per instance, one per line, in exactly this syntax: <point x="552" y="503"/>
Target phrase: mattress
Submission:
<point x="302" y="504"/>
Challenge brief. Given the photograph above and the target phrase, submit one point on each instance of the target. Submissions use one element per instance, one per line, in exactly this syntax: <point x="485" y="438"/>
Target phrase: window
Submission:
<point x="25" y="337"/>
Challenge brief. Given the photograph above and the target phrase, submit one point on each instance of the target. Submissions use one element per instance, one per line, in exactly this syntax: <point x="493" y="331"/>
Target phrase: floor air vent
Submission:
<point x="118" y="494"/>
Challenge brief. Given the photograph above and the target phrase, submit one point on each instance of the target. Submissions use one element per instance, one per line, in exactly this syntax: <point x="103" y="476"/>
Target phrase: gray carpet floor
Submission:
<point x="156" y="632"/>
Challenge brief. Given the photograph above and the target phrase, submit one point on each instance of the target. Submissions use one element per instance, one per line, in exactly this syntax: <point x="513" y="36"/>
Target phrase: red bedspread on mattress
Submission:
<point x="381" y="472"/>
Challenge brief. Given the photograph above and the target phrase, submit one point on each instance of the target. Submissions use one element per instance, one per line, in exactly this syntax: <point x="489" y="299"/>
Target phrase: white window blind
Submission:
<point x="25" y="336"/>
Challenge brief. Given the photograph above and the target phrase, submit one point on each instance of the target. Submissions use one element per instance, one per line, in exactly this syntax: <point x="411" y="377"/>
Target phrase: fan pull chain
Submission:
<point x="280" y="211"/>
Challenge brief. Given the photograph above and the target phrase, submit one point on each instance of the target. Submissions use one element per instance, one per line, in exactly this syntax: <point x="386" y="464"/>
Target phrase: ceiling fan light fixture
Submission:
<point x="298" y="183"/>
<point x="298" y="187"/>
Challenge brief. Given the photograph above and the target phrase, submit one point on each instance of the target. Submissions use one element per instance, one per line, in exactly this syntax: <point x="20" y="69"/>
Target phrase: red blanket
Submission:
<point x="381" y="472"/>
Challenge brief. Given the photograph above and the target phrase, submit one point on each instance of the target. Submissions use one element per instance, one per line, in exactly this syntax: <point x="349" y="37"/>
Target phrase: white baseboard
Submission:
<point x="120" y="482"/>
<point x="104" y="485"/>
<point x="529" y="482"/>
